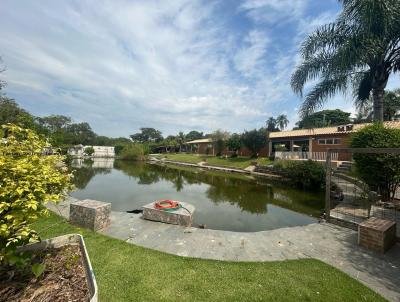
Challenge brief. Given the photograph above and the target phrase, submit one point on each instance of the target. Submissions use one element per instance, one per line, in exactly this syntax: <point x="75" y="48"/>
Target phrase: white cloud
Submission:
<point x="271" y="11"/>
<point x="173" y="65"/>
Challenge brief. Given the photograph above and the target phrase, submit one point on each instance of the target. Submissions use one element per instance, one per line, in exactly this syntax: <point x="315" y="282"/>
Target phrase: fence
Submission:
<point x="293" y="155"/>
<point x="349" y="200"/>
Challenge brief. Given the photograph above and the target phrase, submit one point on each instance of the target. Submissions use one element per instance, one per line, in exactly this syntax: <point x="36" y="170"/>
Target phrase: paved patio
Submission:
<point x="332" y="244"/>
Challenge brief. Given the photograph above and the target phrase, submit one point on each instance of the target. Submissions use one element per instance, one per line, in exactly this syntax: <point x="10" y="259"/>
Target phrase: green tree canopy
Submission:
<point x="391" y="107"/>
<point x="380" y="171"/>
<point x="324" y="118"/>
<point x="272" y="124"/>
<point x="255" y="140"/>
<point x="282" y="121"/>
<point x="10" y="112"/>
<point x="234" y="143"/>
<point x="192" y="135"/>
<point x="147" y="135"/>
<point x="360" y="50"/>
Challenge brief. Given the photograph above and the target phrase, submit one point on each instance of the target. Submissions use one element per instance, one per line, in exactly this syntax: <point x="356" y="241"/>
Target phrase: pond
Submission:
<point x="223" y="201"/>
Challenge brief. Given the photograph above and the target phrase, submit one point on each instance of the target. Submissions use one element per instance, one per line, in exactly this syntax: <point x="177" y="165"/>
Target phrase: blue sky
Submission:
<point x="175" y="65"/>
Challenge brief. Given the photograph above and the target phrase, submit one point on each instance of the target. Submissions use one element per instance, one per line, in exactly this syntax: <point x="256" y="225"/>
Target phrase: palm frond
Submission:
<point x="328" y="87"/>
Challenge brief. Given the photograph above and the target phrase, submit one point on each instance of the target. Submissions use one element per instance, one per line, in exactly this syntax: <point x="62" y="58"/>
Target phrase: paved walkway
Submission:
<point x="332" y="244"/>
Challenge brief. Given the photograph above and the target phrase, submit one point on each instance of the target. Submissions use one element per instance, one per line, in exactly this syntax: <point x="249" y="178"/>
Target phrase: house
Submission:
<point x="99" y="151"/>
<point x="314" y="143"/>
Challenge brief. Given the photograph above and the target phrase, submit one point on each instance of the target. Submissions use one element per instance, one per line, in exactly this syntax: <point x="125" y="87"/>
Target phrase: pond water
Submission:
<point x="223" y="201"/>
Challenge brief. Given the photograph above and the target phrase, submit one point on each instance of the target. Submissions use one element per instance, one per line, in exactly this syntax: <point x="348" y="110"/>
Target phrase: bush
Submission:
<point x="381" y="172"/>
<point x="118" y="149"/>
<point x="133" y="152"/>
<point x="28" y="179"/>
<point x="304" y="174"/>
<point x="89" y="151"/>
<point x="255" y="140"/>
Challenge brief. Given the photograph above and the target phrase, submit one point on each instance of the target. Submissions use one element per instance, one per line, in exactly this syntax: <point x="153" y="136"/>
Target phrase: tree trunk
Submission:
<point x="378" y="104"/>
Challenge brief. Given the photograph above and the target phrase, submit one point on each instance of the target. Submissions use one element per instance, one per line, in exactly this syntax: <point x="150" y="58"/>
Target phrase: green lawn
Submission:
<point x="236" y="162"/>
<point x="127" y="272"/>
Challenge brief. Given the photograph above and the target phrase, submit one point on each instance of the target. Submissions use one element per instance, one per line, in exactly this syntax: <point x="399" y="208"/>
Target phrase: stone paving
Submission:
<point x="332" y="244"/>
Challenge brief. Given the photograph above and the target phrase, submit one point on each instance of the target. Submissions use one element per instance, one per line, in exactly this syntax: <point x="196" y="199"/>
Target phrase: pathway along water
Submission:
<point x="223" y="201"/>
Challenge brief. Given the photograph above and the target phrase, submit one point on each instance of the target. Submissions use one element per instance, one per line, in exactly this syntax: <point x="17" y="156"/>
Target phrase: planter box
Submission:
<point x="71" y="239"/>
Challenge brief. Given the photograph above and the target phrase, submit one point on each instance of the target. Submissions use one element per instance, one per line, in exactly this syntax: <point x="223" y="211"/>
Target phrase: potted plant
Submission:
<point x="29" y="178"/>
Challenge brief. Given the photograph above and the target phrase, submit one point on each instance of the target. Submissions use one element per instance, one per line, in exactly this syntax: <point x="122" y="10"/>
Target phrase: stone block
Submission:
<point x="91" y="214"/>
<point x="377" y="234"/>
<point x="182" y="216"/>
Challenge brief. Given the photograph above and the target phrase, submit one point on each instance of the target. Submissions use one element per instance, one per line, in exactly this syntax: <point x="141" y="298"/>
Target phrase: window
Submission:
<point x="329" y="141"/>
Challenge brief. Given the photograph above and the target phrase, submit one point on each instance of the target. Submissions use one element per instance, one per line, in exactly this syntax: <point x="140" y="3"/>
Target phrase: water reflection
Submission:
<point x="233" y="202"/>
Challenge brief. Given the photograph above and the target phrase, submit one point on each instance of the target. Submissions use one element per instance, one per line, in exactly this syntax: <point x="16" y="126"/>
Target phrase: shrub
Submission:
<point x="89" y="151"/>
<point x="254" y="140"/>
<point x="381" y="172"/>
<point x="118" y="149"/>
<point x="28" y="179"/>
<point x="304" y="174"/>
<point x="132" y="152"/>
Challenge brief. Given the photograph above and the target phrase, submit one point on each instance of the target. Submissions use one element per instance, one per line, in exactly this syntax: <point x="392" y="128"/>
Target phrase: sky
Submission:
<point x="176" y="65"/>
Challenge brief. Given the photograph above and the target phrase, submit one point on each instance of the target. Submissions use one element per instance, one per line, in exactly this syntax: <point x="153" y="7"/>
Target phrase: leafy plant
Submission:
<point x="38" y="269"/>
<point x="381" y="172"/>
<point x="28" y="179"/>
<point x="304" y="174"/>
<point x="133" y="152"/>
<point x="359" y="51"/>
<point x="254" y="140"/>
<point x="89" y="151"/>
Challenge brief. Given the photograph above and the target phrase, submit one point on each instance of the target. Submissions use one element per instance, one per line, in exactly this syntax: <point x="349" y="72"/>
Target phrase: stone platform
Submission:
<point x="181" y="216"/>
<point x="91" y="214"/>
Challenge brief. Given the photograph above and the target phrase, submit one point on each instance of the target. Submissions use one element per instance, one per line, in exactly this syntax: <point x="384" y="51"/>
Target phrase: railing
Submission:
<point x="288" y="155"/>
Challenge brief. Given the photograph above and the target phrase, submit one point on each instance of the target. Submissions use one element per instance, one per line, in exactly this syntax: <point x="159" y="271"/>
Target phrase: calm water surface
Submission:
<point x="223" y="201"/>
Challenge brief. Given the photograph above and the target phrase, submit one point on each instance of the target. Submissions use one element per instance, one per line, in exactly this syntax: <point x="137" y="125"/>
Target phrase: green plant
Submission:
<point x="38" y="269"/>
<point x="381" y="172"/>
<point x="254" y="140"/>
<point x="118" y="149"/>
<point x="133" y="152"/>
<point x="304" y="174"/>
<point x="28" y="179"/>
<point x="360" y="50"/>
<point x="89" y="151"/>
<point x="234" y="143"/>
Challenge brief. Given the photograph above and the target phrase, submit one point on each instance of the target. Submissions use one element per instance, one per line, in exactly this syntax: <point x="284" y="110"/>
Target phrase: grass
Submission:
<point x="235" y="162"/>
<point x="126" y="272"/>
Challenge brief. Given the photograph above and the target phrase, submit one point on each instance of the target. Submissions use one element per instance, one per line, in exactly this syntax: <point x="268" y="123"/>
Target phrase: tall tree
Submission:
<point x="361" y="48"/>
<point x="219" y="137"/>
<point x="324" y="118"/>
<point x="391" y="107"/>
<point x="254" y="140"/>
<point x="192" y="135"/>
<point x="272" y="124"/>
<point x="282" y="121"/>
<point x="147" y="135"/>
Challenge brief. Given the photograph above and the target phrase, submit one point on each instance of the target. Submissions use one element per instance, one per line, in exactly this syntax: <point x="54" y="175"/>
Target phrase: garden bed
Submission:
<point x="63" y="278"/>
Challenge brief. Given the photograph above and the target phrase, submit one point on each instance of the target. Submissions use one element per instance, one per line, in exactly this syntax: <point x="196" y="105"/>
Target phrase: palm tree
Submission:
<point x="361" y="48"/>
<point x="271" y="124"/>
<point x="282" y="121"/>
<point x="391" y="106"/>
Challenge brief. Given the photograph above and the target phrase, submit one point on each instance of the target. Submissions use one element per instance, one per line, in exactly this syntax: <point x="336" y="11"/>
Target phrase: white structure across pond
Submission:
<point x="99" y="151"/>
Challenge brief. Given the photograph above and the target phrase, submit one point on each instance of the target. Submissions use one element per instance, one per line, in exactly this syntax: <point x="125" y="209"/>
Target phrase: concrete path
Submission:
<point x="332" y="244"/>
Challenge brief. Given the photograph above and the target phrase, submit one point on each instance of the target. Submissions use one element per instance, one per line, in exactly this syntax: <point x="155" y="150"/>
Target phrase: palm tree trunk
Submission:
<point x="377" y="94"/>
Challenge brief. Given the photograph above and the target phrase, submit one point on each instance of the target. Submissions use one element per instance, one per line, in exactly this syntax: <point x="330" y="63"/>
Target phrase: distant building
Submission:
<point x="314" y="143"/>
<point x="296" y="144"/>
<point x="99" y="151"/>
